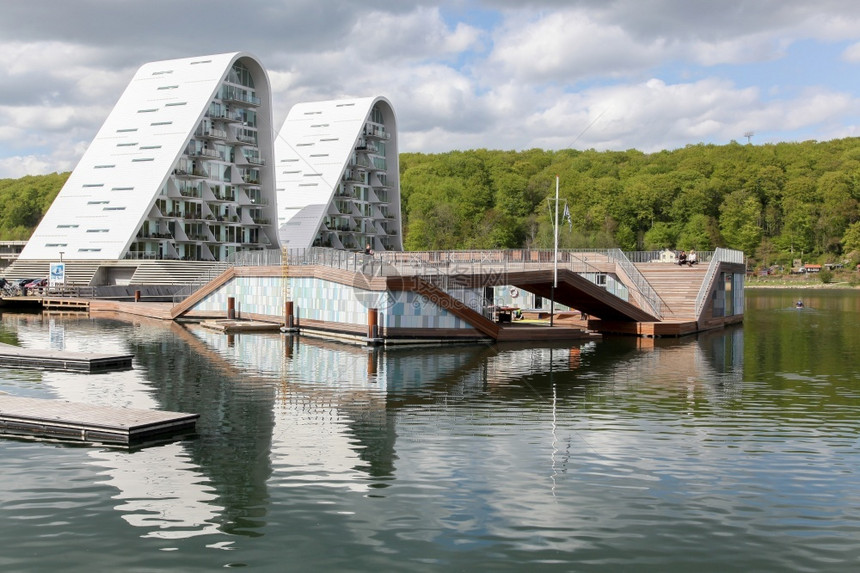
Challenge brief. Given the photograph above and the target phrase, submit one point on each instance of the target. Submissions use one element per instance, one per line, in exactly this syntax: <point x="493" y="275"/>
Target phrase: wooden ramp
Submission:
<point x="37" y="417"/>
<point x="17" y="357"/>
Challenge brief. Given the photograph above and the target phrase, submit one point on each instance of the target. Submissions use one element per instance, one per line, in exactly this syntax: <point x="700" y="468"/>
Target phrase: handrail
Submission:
<point x="437" y="267"/>
<point x="721" y="255"/>
<point x="647" y="295"/>
<point x="260" y="258"/>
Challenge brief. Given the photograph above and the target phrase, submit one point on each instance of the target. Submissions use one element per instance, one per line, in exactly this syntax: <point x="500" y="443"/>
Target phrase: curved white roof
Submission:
<point x="114" y="186"/>
<point x="313" y="149"/>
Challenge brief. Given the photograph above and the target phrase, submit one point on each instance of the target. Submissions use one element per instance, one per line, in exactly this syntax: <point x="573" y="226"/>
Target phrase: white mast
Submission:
<point x="554" y="259"/>
<point x="555" y="251"/>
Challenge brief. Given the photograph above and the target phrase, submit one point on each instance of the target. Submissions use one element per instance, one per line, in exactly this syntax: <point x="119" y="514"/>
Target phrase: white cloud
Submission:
<point x="512" y="74"/>
<point x="563" y="47"/>
<point x="852" y="53"/>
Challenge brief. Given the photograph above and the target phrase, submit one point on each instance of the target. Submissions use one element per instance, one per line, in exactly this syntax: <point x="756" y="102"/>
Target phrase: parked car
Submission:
<point x="19" y="284"/>
<point x="35" y="285"/>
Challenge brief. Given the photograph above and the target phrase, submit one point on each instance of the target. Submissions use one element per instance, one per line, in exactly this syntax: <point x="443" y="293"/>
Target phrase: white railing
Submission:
<point x="719" y="256"/>
<point x="644" y="292"/>
<point x="438" y="267"/>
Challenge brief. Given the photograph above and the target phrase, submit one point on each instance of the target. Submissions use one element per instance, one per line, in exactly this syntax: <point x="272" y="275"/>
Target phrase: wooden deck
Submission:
<point x="17" y="357"/>
<point x="56" y="419"/>
<point x="646" y="329"/>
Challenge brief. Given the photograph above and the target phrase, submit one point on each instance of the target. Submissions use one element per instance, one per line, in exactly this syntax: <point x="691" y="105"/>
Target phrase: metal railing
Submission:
<point x="445" y="263"/>
<point x="719" y="256"/>
<point x="439" y="267"/>
<point x="658" y="256"/>
<point x="643" y="291"/>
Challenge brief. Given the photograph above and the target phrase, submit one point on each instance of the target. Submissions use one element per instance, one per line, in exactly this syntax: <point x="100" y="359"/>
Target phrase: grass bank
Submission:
<point x="810" y="281"/>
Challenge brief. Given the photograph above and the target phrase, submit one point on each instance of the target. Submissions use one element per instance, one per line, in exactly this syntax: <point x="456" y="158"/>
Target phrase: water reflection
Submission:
<point x="160" y="489"/>
<point x="291" y="412"/>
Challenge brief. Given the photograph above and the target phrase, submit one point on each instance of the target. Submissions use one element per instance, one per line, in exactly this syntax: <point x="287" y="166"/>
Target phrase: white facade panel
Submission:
<point x="320" y="152"/>
<point x="111" y="192"/>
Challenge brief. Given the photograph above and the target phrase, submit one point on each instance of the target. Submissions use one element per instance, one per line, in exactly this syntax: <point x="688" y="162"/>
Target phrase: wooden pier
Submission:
<point x="57" y="419"/>
<point x="16" y="357"/>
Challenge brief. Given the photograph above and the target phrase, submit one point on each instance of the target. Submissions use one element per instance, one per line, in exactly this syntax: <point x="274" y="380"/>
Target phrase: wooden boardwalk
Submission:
<point x="37" y="417"/>
<point x="17" y="357"/>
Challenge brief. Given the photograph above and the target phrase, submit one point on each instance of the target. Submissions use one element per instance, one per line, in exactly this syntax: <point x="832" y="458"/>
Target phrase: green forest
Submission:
<point x="24" y="201"/>
<point x="775" y="202"/>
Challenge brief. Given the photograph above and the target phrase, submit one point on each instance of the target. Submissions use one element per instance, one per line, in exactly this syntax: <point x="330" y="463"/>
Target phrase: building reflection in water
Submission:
<point x="158" y="488"/>
<point x="281" y="411"/>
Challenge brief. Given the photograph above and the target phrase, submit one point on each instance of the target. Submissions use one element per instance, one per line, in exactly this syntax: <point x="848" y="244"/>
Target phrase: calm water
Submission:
<point x="736" y="450"/>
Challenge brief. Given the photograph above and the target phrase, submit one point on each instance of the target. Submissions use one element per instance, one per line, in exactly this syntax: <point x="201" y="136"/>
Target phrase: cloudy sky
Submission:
<point x="461" y="74"/>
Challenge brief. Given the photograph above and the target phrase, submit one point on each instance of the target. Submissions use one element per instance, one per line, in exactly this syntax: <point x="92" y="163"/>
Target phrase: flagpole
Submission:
<point x="554" y="258"/>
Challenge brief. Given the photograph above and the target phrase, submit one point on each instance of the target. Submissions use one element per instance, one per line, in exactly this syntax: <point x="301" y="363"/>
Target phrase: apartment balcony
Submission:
<point x="205" y="152"/>
<point x="249" y="180"/>
<point x="361" y="164"/>
<point x="237" y="96"/>
<point x="191" y="193"/>
<point x="225" y="116"/>
<point x="211" y="133"/>
<point x="246" y="139"/>
<point x="377" y="133"/>
<point x="156" y="236"/>
<point x="245" y="160"/>
<point x="368" y="147"/>
<point x="196" y="173"/>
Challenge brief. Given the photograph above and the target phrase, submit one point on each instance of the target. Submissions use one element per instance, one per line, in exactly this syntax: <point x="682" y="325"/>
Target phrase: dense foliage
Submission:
<point x="775" y="202"/>
<point x="24" y="201"/>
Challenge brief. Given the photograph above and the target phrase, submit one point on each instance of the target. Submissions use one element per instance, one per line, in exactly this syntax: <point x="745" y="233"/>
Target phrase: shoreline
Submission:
<point x="804" y="286"/>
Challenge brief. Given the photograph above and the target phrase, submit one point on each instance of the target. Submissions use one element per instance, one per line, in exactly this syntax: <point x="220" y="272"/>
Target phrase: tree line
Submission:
<point x="23" y="202"/>
<point x="776" y="202"/>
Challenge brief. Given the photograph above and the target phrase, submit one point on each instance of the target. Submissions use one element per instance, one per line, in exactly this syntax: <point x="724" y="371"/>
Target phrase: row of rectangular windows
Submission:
<point x="132" y="144"/>
<point x="81" y="250"/>
<point x="88" y="230"/>
<point x="170" y="104"/>
<point x="133" y="129"/>
<point x="90" y="185"/>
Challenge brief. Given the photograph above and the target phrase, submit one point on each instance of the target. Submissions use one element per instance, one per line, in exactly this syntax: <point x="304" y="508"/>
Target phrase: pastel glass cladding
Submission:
<point x="327" y="301"/>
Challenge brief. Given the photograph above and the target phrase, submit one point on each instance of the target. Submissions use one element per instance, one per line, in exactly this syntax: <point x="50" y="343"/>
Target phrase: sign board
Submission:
<point x="58" y="274"/>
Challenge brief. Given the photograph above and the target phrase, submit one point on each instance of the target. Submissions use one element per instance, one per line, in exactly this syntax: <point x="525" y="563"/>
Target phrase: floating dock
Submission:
<point x="57" y="419"/>
<point x="228" y="326"/>
<point x="16" y="357"/>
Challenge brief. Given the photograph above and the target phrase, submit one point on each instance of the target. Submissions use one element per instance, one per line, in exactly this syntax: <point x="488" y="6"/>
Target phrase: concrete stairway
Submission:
<point x="77" y="272"/>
